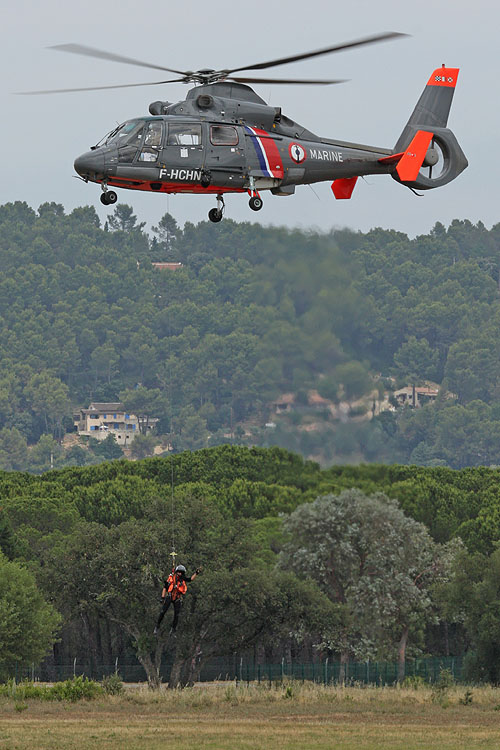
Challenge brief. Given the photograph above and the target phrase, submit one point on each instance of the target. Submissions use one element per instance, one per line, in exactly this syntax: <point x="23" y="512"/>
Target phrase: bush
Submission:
<point x="112" y="684"/>
<point x="76" y="689"/>
<point x="25" y="689"/>
<point x="441" y="687"/>
<point x="71" y="690"/>
<point x="415" y="682"/>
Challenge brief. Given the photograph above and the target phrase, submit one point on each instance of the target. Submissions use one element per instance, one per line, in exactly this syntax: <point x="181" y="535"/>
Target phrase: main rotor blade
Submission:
<point x="320" y="82"/>
<point x="96" y="88"/>
<point x="81" y="49"/>
<point x="325" y="51"/>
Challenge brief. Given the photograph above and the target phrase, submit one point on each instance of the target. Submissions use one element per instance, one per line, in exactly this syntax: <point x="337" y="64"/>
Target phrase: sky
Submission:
<point x="40" y="136"/>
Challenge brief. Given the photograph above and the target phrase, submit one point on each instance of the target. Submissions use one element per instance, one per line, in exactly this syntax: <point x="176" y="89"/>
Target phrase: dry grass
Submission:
<point x="290" y="716"/>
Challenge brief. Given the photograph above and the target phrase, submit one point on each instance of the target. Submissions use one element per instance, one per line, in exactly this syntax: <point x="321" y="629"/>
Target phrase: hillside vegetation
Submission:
<point x="252" y="313"/>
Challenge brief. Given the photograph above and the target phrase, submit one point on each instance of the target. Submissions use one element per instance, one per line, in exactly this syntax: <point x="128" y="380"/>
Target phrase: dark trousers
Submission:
<point x="177" y="608"/>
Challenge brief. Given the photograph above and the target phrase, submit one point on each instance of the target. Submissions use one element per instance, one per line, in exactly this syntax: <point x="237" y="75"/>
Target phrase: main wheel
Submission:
<point x="104" y="199"/>
<point x="112" y="197"/>
<point x="255" y="203"/>
<point x="215" y="215"/>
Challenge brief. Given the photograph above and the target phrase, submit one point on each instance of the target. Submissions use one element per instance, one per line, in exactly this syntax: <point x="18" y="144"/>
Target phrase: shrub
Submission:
<point x="467" y="699"/>
<point x="76" y="689"/>
<point x="415" y="682"/>
<point x="112" y="684"/>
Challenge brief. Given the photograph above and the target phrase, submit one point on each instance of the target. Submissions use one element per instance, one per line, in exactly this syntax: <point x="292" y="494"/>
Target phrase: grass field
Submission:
<point x="288" y="716"/>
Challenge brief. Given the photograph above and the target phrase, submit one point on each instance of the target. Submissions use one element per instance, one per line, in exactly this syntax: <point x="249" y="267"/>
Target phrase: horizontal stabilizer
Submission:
<point x="343" y="187"/>
<point x="392" y="159"/>
<point x="410" y="163"/>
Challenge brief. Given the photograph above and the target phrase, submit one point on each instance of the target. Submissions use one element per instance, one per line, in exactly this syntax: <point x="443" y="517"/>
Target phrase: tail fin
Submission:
<point x="433" y="107"/>
<point x="427" y="127"/>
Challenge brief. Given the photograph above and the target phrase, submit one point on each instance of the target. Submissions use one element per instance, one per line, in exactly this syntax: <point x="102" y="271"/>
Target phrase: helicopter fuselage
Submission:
<point x="222" y="138"/>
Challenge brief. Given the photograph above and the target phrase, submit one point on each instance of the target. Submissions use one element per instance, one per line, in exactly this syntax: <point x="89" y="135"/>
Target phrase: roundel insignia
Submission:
<point x="297" y="153"/>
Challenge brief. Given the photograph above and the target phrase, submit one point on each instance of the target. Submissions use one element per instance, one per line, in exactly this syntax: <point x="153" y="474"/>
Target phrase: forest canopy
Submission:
<point x="252" y="313"/>
<point x="359" y="563"/>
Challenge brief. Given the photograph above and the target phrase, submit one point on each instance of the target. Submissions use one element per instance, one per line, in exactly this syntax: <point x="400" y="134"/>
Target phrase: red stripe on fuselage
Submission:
<point x="172" y="187"/>
<point x="273" y="155"/>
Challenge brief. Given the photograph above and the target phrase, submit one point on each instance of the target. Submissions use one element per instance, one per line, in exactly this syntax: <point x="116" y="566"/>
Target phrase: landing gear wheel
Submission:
<point x="108" y="198"/>
<point x="215" y="215"/>
<point x="255" y="203"/>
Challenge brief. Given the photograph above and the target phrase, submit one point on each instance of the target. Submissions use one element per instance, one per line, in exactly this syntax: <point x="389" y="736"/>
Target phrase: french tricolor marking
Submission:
<point x="267" y="153"/>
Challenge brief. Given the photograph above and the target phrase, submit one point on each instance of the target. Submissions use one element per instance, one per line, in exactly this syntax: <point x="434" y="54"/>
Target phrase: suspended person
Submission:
<point x="174" y="589"/>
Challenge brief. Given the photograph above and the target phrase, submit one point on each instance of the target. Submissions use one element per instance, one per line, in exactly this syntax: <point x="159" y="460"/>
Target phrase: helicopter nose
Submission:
<point x="90" y="164"/>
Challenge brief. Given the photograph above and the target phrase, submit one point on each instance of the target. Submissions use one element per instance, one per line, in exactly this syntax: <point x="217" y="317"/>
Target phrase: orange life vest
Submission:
<point x="176" y="586"/>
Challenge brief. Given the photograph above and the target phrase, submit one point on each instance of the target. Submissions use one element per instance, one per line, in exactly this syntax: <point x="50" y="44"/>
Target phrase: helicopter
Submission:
<point x="224" y="138"/>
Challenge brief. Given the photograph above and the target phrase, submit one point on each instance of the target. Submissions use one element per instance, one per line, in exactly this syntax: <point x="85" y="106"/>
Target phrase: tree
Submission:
<point x="123" y="219"/>
<point x="142" y="446"/>
<point x="120" y="570"/>
<point x="354" y="378"/>
<point x="44" y="454"/>
<point x="7" y="539"/>
<point x="191" y="430"/>
<point x="472" y="596"/>
<point x="104" y="360"/>
<point x="117" y="573"/>
<point x="49" y="398"/>
<point x="13" y="450"/>
<point x="107" y="448"/>
<point x="143" y="402"/>
<point x="328" y="388"/>
<point x="415" y="359"/>
<point x="28" y="624"/>
<point x="373" y="561"/>
<point x="167" y="231"/>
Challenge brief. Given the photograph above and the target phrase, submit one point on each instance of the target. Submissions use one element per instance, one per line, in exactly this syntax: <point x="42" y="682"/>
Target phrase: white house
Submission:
<point x="101" y="420"/>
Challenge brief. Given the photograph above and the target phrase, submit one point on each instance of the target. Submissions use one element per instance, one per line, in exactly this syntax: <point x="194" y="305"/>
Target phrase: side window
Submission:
<point x="223" y="135"/>
<point x="152" y="142"/>
<point x="184" y="134"/>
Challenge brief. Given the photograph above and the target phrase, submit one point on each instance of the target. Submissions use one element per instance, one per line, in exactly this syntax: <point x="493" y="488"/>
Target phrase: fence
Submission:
<point x="245" y="671"/>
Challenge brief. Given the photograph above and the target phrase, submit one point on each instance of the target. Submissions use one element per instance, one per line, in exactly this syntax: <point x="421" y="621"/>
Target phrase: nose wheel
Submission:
<point x="108" y="198"/>
<point x="215" y="214"/>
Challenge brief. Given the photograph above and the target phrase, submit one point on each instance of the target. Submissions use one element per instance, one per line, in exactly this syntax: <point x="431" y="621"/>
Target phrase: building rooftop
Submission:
<point x="104" y="407"/>
<point x="166" y="265"/>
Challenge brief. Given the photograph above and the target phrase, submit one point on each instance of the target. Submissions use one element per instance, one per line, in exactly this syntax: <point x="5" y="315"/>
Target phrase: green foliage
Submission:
<point x="107" y="448"/>
<point x="78" y="688"/>
<point x="473" y="596"/>
<point x="441" y="688"/>
<point x="112" y="684"/>
<point x="207" y="348"/>
<point x="28" y="624"/>
<point x="355" y="571"/>
<point x="143" y="446"/>
<point x="369" y="558"/>
<point x="415" y="682"/>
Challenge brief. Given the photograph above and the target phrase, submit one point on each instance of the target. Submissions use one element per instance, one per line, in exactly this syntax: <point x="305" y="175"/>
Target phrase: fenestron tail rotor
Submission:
<point x="434" y="162"/>
<point x="207" y="76"/>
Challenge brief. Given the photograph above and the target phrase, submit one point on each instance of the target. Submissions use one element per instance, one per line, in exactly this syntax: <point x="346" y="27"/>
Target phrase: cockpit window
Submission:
<point x="129" y="132"/>
<point x="152" y="142"/>
<point x="153" y="134"/>
<point x="184" y="134"/>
